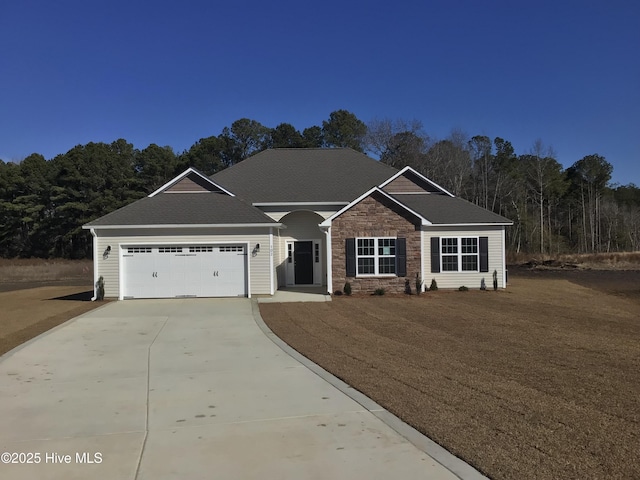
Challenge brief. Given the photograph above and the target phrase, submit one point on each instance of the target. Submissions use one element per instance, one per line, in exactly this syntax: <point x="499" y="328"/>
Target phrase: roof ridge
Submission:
<point x="307" y="148"/>
<point x="304" y="174"/>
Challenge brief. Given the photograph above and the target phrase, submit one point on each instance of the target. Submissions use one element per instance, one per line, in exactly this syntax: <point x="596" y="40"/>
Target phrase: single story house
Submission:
<point x="296" y="217"/>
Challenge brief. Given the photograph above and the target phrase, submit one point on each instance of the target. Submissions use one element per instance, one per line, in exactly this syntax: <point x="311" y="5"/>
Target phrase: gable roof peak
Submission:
<point x="368" y="193"/>
<point x="412" y="171"/>
<point x="201" y="176"/>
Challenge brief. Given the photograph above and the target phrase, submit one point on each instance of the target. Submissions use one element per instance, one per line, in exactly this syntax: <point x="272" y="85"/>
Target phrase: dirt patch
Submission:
<point x="623" y="283"/>
<point x="27" y="313"/>
<point x="594" y="261"/>
<point x="537" y="381"/>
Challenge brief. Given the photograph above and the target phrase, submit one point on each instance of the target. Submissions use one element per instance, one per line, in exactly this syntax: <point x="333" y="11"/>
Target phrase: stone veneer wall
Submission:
<point x="375" y="216"/>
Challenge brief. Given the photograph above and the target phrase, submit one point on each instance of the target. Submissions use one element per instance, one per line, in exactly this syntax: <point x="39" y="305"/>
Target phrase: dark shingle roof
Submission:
<point x="304" y="175"/>
<point x="184" y="208"/>
<point x="443" y="209"/>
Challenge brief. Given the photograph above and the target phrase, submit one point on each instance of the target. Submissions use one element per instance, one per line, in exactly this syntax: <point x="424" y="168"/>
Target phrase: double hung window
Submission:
<point x="459" y="254"/>
<point x="376" y="256"/>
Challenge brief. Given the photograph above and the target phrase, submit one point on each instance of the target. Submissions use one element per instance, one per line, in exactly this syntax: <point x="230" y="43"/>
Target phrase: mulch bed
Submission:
<point x="537" y="381"/>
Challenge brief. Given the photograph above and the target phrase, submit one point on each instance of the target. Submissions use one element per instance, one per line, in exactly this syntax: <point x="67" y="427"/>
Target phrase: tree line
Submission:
<point x="44" y="203"/>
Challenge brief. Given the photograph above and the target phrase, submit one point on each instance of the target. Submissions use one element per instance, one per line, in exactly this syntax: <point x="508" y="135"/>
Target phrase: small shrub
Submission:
<point x="100" y="289"/>
<point x="379" y="291"/>
<point x="483" y="284"/>
<point x="347" y="288"/>
<point x="495" y="280"/>
<point x="463" y="289"/>
<point x="337" y="293"/>
<point x="419" y="284"/>
<point x="434" y="285"/>
<point x="407" y="286"/>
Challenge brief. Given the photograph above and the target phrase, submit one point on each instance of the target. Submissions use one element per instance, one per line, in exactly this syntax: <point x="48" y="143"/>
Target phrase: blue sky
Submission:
<point x="567" y="72"/>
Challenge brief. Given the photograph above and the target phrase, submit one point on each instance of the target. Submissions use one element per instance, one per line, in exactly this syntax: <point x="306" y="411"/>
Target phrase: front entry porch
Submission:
<point x="297" y="294"/>
<point x="303" y="262"/>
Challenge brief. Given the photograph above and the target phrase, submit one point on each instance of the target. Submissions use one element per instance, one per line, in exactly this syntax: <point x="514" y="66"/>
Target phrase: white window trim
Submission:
<point x="460" y="254"/>
<point x="375" y="257"/>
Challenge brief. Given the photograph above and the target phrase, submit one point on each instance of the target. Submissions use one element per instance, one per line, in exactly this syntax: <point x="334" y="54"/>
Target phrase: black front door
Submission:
<point x="303" y="263"/>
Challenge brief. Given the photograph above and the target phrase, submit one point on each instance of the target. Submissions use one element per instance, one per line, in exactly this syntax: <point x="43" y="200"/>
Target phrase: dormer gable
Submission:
<point x="191" y="181"/>
<point x="408" y="181"/>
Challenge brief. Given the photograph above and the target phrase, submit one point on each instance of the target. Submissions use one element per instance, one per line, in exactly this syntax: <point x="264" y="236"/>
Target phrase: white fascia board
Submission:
<point x="418" y="174"/>
<point x="297" y="204"/>
<point x="183" y="225"/>
<point x="436" y="225"/>
<point x="327" y="222"/>
<point x="184" y="174"/>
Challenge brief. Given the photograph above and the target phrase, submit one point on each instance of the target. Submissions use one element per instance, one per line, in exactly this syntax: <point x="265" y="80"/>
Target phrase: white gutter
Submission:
<point x="436" y="225"/>
<point x="95" y="264"/>
<point x="297" y="204"/>
<point x="184" y="225"/>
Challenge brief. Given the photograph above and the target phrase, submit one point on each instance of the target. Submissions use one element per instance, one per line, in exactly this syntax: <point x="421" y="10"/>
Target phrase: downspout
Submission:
<point x="504" y="259"/>
<point x="422" y="258"/>
<point x="95" y="264"/>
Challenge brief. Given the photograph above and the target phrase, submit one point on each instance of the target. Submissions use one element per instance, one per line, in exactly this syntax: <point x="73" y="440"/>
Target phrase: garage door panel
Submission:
<point x="192" y="265"/>
<point x="182" y="270"/>
<point x="164" y="279"/>
<point x="139" y="263"/>
<point x="230" y="268"/>
<point x="226" y="273"/>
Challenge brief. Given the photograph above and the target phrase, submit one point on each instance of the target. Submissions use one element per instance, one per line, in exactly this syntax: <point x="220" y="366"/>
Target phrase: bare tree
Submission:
<point x="480" y="147"/>
<point x="380" y="134"/>
<point x="544" y="178"/>
<point x="590" y="176"/>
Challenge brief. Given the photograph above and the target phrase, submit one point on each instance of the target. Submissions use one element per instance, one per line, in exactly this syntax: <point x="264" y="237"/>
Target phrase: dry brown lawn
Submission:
<point x="37" y="295"/>
<point x="541" y="380"/>
<point x="23" y="273"/>
<point x="25" y="314"/>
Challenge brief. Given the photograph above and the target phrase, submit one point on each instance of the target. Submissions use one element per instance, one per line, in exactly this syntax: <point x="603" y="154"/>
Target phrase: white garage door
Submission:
<point x="184" y="271"/>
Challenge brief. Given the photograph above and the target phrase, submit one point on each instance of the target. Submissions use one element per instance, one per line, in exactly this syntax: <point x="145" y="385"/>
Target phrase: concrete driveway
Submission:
<point x="185" y="389"/>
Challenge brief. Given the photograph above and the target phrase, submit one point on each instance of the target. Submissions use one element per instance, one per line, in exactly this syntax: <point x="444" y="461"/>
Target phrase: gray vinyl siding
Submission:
<point x="109" y="268"/>
<point x="472" y="280"/>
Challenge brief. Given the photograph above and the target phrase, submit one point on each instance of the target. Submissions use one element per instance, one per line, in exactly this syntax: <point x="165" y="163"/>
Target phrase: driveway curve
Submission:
<point x="185" y="389"/>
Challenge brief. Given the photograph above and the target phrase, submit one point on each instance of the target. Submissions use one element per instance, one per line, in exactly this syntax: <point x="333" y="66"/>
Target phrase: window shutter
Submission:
<point x="435" y="254"/>
<point x="484" y="254"/>
<point x="350" y="250"/>
<point x="401" y="257"/>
